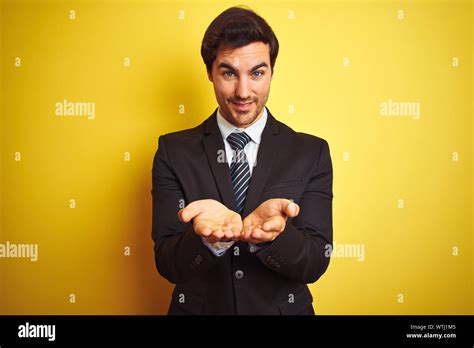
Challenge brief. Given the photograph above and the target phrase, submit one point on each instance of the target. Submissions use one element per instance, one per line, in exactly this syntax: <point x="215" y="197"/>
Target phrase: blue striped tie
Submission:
<point x="239" y="168"/>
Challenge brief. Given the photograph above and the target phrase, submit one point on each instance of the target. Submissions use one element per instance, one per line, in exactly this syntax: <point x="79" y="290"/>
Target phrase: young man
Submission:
<point x="237" y="235"/>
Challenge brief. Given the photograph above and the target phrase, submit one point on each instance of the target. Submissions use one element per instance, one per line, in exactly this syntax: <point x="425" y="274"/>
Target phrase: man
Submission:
<point x="237" y="235"/>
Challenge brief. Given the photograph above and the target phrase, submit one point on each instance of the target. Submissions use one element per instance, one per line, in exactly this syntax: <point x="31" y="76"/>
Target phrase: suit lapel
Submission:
<point x="213" y="142"/>
<point x="266" y="155"/>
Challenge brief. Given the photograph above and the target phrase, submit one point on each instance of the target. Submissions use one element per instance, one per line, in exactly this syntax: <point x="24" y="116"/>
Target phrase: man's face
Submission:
<point x="241" y="79"/>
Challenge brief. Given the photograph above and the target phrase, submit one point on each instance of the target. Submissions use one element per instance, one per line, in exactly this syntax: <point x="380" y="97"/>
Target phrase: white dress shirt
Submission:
<point x="251" y="150"/>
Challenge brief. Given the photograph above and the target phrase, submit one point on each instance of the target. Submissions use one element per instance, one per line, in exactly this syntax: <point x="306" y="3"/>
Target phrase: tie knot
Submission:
<point x="238" y="140"/>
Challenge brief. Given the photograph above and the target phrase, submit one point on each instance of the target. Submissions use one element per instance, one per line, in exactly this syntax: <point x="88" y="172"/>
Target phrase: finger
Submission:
<point x="246" y="224"/>
<point x="259" y="241"/>
<point x="179" y="215"/>
<point x="259" y="236"/>
<point x="190" y="211"/>
<point x="276" y="224"/>
<point x="262" y="236"/>
<point x="292" y="209"/>
<point x="203" y="230"/>
<point x="248" y="232"/>
<point x="236" y="233"/>
<point x="228" y="233"/>
<point x="242" y="236"/>
<point x="218" y="234"/>
<point x="256" y="234"/>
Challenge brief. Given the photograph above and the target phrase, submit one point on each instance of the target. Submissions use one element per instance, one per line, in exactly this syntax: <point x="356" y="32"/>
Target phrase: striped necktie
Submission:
<point x="239" y="168"/>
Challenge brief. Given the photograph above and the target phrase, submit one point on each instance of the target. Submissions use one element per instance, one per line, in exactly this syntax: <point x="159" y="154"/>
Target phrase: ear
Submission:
<point x="209" y="76"/>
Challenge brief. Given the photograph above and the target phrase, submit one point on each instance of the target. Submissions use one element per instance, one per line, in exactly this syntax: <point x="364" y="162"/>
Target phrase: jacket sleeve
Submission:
<point x="300" y="251"/>
<point x="179" y="252"/>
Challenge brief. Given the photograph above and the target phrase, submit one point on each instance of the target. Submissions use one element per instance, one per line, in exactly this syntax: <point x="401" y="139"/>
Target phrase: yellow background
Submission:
<point x="408" y="250"/>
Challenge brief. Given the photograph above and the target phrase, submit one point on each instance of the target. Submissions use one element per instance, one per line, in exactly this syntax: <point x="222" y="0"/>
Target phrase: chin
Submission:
<point x="245" y="119"/>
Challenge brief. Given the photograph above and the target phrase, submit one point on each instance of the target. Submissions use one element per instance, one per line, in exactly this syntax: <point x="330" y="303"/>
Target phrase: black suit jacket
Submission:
<point x="271" y="281"/>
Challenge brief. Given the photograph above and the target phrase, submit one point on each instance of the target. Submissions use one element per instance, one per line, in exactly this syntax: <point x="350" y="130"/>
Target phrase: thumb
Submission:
<point x="189" y="212"/>
<point x="292" y="209"/>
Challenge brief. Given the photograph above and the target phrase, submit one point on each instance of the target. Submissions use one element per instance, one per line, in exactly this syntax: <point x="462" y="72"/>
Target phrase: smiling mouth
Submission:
<point x="242" y="106"/>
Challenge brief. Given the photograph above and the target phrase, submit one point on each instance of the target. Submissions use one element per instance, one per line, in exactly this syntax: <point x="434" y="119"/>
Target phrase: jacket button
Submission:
<point x="239" y="274"/>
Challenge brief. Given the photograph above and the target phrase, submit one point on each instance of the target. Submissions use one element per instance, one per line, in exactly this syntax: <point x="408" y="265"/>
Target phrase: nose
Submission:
<point x="242" y="90"/>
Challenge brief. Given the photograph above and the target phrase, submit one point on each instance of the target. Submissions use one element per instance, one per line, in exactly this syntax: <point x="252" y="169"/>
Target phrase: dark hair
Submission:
<point x="237" y="27"/>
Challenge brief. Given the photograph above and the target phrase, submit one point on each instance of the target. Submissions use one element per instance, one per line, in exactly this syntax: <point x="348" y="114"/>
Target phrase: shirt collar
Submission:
<point x="254" y="131"/>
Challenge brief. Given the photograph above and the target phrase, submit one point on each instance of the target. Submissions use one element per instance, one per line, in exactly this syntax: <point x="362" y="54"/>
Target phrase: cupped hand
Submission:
<point x="212" y="220"/>
<point x="266" y="222"/>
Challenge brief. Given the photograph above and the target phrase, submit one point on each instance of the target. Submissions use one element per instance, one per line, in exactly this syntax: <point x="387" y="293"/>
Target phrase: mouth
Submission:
<point x="242" y="106"/>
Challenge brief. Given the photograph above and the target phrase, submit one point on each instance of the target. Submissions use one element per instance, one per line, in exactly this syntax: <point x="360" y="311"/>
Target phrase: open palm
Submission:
<point x="267" y="221"/>
<point x="212" y="220"/>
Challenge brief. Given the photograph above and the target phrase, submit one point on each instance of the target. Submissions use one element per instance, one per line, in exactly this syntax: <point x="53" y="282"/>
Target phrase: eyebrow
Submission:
<point x="228" y="66"/>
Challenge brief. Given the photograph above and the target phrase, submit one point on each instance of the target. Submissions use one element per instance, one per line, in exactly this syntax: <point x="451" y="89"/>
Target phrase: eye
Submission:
<point x="229" y="74"/>
<point x="258" y="73"/>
